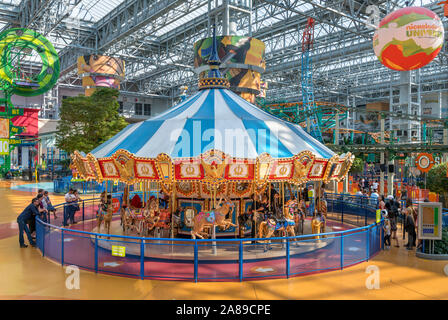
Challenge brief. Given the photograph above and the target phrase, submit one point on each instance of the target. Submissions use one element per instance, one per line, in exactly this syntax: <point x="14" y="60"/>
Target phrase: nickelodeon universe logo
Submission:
<point x="424" y="30"/>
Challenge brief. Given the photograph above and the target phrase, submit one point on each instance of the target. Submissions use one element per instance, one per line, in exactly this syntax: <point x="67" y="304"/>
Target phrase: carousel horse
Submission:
<point x="322" y="207"/>
<point x="297" y="210"/>
<point x="105" y="213"/>
<point x="214" y="217"/>
<point x="133" y="216"/>
<point x="244" y="221"/>
<point x="268" y="227"/>
<point x="151" y="214"/>
<point x="164" y="219"/>
<point x="318" y="224"/>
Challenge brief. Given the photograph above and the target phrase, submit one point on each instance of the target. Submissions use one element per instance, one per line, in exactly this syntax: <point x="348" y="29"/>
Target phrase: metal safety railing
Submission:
<point x="215" y="259"/>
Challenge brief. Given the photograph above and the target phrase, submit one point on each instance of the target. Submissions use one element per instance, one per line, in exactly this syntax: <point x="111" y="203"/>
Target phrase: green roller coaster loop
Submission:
<point x="19" y="41"/>
<point x="15" y="45"/>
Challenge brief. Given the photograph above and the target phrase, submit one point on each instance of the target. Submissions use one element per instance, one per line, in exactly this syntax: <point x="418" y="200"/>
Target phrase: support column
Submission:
<point x="336" y="129"/>
<point x="336" y="142"/>
<point x="226" y="18"/>
<point x="345" y="184"/>
<point x="382" y="156"/>
<point x="445" y="142"/>
<point x="390" y="179"/>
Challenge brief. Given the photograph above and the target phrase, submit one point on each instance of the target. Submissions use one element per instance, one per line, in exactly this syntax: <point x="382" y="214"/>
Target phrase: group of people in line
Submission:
<point x="390" y="210"/>
<point x="41" y="207"/>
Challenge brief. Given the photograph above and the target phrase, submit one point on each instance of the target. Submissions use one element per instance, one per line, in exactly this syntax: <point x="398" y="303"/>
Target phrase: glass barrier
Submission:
<point x="217" y="259"/>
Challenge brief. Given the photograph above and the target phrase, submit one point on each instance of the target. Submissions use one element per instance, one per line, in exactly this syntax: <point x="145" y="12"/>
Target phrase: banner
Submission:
<point x="100" y="65"/>
<point x="4" y="146"/>
<point x="243" y="61"/>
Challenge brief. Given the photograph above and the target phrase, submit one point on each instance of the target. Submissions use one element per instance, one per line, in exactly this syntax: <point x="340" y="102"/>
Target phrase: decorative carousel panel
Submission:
<point x="240" y="170"/>
<point x="95" y="167"/>
<point x="108" y="169"/>
<point x="241" y="189"/>
<point x="331" y="167"/>
<point x="82" y="166"/>
<point x="337" y="170"/>
<point x="282" y="170"/>
<point x="146" y="169"/>
<point x="302" y="166"/>
<point x="186" y="188"/>
<point x="165" y="171"/>
<point x="346" y="165"/>
<point x="318" y="169"/>
<point x="125" y="164"/>
<point x="208" y="189"/>
<point x="214" y="164"/>
<point x="188" y="170"/>
<point x="262" y="168"/>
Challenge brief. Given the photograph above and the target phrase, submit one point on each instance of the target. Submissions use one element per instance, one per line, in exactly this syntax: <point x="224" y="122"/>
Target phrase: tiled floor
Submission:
<point x="26" y="275"/>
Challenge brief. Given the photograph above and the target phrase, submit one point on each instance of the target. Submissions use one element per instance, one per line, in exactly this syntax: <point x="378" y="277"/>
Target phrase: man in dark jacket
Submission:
<point x="29" y="213"/>
<point x="410" y="229"/>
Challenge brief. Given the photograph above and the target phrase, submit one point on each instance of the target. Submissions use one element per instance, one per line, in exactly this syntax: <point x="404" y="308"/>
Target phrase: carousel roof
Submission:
<point x="213" y="119"/>
<point x="217" y="119"/>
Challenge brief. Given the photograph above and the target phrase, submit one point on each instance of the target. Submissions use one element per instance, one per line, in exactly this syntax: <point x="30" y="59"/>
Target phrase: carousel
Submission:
<point x="213" y="160"/>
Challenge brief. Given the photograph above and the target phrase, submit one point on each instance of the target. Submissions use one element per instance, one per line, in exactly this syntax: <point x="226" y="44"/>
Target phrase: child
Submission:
<point x="387" y="229"/>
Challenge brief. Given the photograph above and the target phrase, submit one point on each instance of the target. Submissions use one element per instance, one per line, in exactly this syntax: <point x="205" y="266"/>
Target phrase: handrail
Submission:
<point x="94" y="258"/>
<point x="207" y="240"/>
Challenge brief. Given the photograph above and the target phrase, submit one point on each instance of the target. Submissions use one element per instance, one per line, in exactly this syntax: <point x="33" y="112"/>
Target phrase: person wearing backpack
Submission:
<point x="392" y="213"/>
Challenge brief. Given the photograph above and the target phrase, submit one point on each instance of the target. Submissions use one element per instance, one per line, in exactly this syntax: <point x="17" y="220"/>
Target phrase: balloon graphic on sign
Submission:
<point x="408" y="39"/>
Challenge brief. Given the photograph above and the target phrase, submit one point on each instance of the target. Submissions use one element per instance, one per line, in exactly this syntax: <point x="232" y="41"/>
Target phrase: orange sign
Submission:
<point x="424" y="162"/>
<point x="116" y="204"/>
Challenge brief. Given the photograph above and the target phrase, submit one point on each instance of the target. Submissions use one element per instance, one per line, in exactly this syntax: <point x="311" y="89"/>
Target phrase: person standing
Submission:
<point x="50" y="207"/>
<point x="375" y="185"/>
<point x="393" y="222"/>
<point x="374" y="197"/>
<point x="382" y="203"/>
<point x="75" y="205"/>
<point x="410" y="210"/>
<point x="387" y="229"/>
<point x="42" y="208"/>
<point x="311" y="197"/>
<point x="410" y="229"/>
<point x="27" y="214"/>
<point x="68" y="207"/>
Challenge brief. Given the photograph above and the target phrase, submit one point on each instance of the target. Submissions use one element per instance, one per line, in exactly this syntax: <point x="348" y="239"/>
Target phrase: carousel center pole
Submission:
<point x="172" y="208"/>
<point x="214" y="251"/>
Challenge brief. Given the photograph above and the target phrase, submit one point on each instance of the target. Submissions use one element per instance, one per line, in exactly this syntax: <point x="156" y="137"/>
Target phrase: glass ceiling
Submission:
<point x="94" y="10"/>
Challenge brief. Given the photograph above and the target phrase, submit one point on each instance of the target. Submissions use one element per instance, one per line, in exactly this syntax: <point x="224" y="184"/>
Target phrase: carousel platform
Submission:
<point x="178" y="249"/>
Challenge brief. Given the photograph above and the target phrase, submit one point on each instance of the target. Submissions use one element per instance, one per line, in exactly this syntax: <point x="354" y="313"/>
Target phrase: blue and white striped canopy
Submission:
<point x="213" y="119"/>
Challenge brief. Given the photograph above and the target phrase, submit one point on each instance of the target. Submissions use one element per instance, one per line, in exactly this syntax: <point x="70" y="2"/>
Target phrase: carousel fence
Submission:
<point x="334" y="250"/>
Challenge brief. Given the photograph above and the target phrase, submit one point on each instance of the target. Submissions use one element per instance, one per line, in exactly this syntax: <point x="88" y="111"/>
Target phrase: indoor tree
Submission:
<point x="437" y="181"/>
<point x="87" y="122"/>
